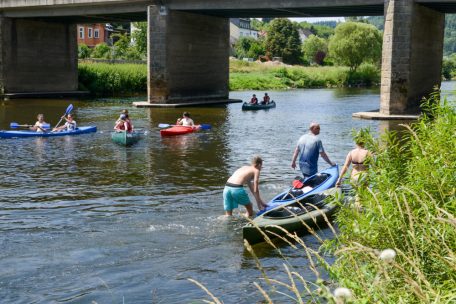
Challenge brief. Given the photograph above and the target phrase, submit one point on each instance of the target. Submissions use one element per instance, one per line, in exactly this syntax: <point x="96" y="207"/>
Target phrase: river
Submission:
<point x="82" y="219"/>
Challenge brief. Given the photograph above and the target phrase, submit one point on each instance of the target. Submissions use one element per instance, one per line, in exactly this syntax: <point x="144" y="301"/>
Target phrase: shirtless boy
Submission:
<point x="234" y="193"/>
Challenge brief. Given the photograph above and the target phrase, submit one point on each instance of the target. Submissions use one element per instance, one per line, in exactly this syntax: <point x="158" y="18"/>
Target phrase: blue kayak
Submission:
<point x="316" y="183"/>
<point x="29" y="133"/>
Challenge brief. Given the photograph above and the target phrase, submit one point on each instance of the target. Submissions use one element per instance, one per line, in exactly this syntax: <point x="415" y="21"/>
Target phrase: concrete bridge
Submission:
<point x="188" y="43"/>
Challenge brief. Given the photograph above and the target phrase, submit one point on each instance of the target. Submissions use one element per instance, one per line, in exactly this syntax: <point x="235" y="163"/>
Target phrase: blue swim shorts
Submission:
<point x="234" y="196"/>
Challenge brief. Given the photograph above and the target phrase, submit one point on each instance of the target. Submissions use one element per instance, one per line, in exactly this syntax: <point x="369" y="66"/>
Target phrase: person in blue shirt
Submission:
<point x="309" y="148"/>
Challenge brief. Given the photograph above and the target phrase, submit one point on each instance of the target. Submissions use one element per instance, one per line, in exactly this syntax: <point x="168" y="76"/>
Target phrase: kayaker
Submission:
<point x="39" y="125"/>
<point x="123" y="124"/>
<point x="185" y="120"/>
<point x="266" y="99"/>
<point x="356" y="157"/>
<point x="234" y="193"/>
<point x="309" y="148"/>
<point x="70" y="124"/>
<point x="254" y="100"/>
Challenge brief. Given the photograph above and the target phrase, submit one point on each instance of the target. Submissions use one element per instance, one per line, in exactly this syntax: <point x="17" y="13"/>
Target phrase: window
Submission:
<point x="81" y="33"/>
<point x="96" y="33"/>
<point x="90" y="30"/>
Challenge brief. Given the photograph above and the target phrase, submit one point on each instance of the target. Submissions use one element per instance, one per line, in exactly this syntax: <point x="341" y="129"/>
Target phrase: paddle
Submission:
<point x="68" y="110"/>
<point x="202" y="126"/>
<point x="15" y="125"/>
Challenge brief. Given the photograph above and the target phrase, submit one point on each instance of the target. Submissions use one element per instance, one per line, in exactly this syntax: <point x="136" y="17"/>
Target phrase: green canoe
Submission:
<point x="293" y="216"/>
<point x="125" y="138"/>
<point x="252" y="107"/>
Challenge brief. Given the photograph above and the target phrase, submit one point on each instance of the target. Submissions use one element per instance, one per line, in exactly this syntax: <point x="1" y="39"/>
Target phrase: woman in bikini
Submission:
<point x="357" y="157"/>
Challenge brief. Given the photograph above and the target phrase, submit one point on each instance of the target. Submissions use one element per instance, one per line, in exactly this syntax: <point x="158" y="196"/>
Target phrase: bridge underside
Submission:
<point x="188" y="44"/>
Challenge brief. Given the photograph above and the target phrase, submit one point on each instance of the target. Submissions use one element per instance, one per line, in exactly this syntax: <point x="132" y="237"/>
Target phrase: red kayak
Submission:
<point x="179" y="130"/>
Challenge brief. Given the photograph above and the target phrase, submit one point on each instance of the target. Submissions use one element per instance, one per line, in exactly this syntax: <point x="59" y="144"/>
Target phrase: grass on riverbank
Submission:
<point x="259" y="76"/>
<point x="107" y="79"/>
<point x="399" y="247"/>
<point x="410" y="208"/>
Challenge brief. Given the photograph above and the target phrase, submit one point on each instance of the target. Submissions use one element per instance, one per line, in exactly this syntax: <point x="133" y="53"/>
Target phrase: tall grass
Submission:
<point x="104" y="79"/>
<point x="252" y="76"/>
<point x="108" y="79"/>
<point x="400" y="245"/>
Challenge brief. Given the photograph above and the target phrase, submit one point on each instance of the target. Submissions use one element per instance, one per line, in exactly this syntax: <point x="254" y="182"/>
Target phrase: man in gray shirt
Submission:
<point x="309" y="147"/>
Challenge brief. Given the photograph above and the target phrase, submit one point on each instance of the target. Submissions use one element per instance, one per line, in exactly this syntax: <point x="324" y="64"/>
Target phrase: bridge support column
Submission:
<point x="412" y="56"/>
<point x="187" y="57"/>
<point x="37" y="56"/>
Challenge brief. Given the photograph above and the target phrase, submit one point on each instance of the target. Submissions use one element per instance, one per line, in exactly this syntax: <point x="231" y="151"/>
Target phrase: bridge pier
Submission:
<point x="187" y="57"/>
<point x="412" y="56"/>
<point x="37" y="56"/>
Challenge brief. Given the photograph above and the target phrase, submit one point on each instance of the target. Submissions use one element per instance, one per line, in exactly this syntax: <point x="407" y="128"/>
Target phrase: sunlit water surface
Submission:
<point x="82" y="219"/>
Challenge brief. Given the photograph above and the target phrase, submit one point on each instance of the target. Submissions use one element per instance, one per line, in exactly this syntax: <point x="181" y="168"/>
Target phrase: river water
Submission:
<point x="82" y="219"/>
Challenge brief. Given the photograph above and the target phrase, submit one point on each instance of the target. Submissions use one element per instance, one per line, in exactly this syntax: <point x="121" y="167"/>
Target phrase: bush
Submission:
<point x="104" y="79"/>
<point x="102" y="50"/>
<point x="84" y="51"/>
<point x="409" y="207"/>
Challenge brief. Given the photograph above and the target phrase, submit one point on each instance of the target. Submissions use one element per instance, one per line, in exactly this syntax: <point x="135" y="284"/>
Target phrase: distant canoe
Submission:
<point x="30" y="133"/>
<point x="125" y="138"/>
<point x="248" y="106"/>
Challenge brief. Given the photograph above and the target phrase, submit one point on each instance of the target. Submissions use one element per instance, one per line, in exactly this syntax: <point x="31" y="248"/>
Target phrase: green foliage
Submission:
<point x="315" y="49"/>
<point x="84" y="51"/>
<point x="323" y="29"/>
<point x="410" y="206"/>
<point x="257" y="24"/>
<point x="283" y="40"/>
<point x="367" y="74"/>
<point x="101" y="50"/>
<point x="354" y="43"/>
<point x="249" y="47"/>
<point x="140" y="38"/>
<point x="449" y="67"/>
<point x="121" y="45"/>
<point x="247" y="75"/>
<point x="103" y="79"/>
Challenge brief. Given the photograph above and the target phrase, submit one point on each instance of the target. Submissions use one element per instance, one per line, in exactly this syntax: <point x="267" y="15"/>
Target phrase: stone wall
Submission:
<point x="188" y="56"/>
<point x="39" y="56"/>
<point x="412" y="55"/>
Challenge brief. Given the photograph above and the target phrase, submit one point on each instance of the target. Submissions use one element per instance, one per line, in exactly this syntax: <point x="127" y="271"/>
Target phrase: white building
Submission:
<point x="240" y="27"/>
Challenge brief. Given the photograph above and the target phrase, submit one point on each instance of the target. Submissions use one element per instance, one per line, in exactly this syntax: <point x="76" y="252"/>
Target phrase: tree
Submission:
<point x="354" y="43"/>
<point x="248" y="47"/>
<point x="283" y="40"/>
<point x="139" y="36"/>
<point x="84" y="51"/>
<point x="121" y="46"/>
<point x="101" y="50"/>
<point x="315" y="49"/>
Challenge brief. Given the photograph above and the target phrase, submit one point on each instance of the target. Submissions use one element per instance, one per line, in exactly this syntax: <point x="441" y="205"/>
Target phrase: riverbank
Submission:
<point x="275" y="76"/>
<point x="399" y="244"/>
<point x="105" y="79"/>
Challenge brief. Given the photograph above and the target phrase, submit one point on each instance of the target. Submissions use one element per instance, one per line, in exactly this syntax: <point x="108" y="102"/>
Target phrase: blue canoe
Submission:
<point x="321" y="181"/>
<point x="29" y="133"/>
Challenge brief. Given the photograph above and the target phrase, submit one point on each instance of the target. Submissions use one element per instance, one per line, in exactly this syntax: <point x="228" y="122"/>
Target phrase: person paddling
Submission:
<point x="70" y="124"/>
<point x="254" y="100"/>
<point x="185" y="120"/>
<point x="123" y="124"/>
<point x="39" y="125"/>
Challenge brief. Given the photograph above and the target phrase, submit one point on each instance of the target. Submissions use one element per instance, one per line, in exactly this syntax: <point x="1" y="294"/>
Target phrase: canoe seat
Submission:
<point x="308" y="204"/>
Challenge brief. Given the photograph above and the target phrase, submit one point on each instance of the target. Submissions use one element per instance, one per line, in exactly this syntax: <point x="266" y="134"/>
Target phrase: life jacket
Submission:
<point x="254" y="100"/>
<point x="266" y="99"/>
<point x="129" y="126"/>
